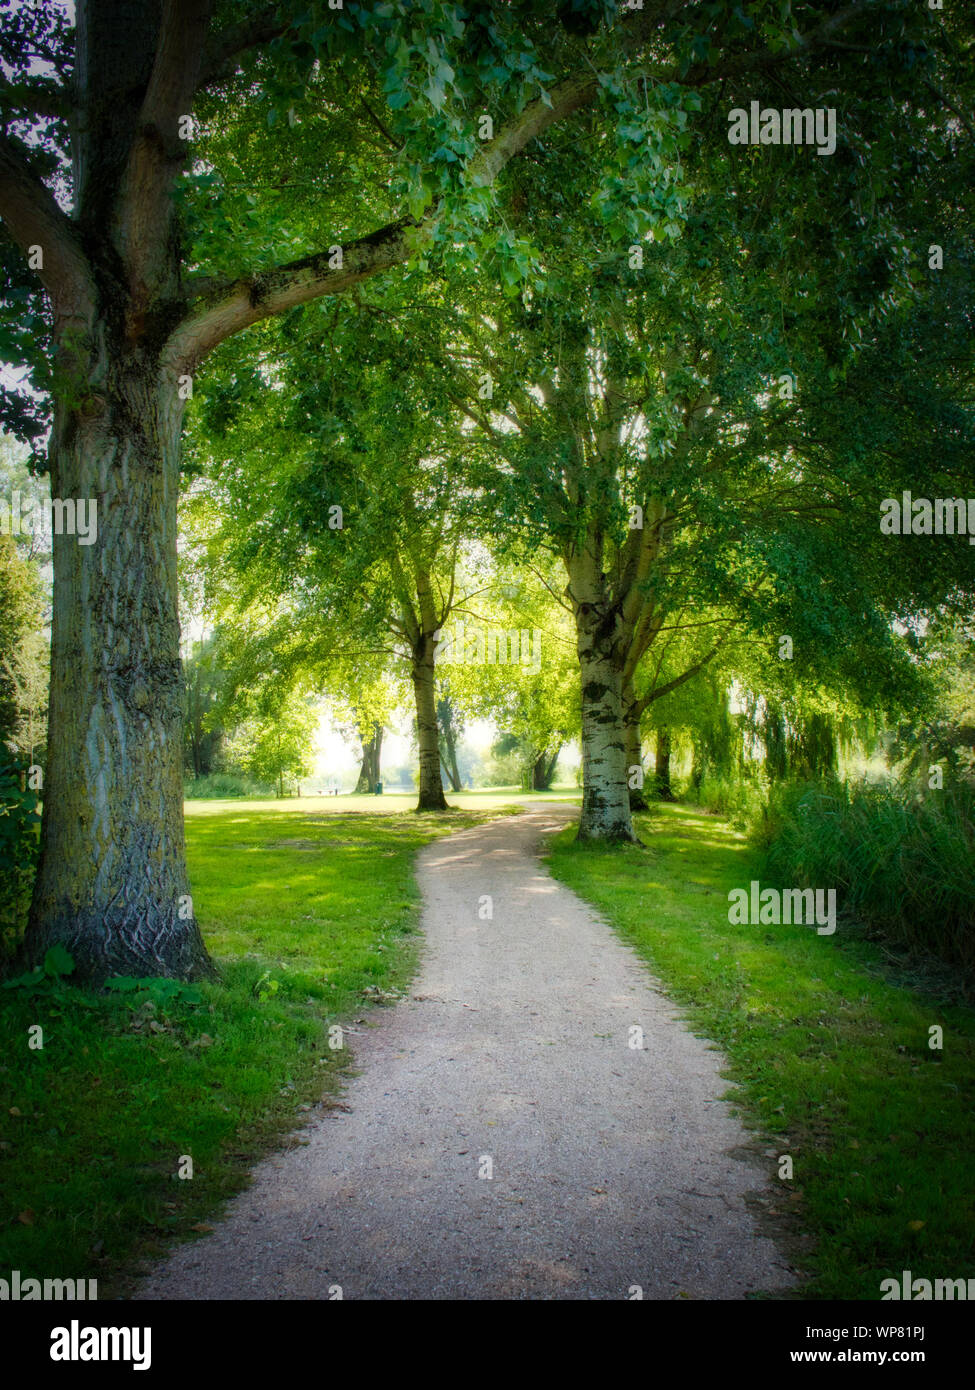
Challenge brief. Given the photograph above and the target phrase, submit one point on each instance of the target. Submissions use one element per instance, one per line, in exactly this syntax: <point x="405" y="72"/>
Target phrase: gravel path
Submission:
<point x="612" y="1166"/>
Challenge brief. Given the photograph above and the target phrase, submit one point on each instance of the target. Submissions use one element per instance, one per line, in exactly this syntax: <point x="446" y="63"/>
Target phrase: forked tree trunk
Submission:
<point x="371" y="753"/>
<point x="449" y="761"/>
<point x="605" y="797"/>
<point x="543" y="769"/>
<point x="112" y="884"/>
<point x="431" y="797"/>
<point x="448" y="742"/>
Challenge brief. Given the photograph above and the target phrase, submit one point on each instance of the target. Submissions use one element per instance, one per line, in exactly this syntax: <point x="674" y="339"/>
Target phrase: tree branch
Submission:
<point x="157" y="151"/>
<point x="263" y="295"/>
<point x="34" y="219"/>
<point x="35" y="97"/>
<point x="229" y="309"/>
<point x="224" y="48"/>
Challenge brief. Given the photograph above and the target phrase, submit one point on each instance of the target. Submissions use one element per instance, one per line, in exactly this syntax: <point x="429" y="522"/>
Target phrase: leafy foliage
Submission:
<point x="20" y="823"/>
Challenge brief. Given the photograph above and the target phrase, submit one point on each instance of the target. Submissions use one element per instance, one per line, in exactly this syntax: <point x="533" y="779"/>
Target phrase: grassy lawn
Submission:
<point x="311" y="912"/>
<point x="829" y="1045"/>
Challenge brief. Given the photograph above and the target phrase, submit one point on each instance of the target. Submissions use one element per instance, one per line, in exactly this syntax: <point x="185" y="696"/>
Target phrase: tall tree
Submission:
<point x="131" y="325"/>
<point x="652" y="429"/>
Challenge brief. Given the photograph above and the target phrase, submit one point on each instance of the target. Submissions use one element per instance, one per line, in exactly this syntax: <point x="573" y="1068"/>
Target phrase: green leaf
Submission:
<point x="33" y="977"/>
<point x="58" y="961"/>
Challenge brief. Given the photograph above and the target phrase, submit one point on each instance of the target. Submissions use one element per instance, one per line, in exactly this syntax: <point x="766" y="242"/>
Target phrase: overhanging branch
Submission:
<point x="252" y="298"/>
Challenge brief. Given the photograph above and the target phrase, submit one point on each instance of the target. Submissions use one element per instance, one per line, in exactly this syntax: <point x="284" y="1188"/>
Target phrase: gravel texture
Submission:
<point x="613" y="1166"/>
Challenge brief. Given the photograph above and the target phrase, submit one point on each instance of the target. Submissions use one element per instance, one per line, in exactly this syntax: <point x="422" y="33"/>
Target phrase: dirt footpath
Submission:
<point x="610" y="1166"/>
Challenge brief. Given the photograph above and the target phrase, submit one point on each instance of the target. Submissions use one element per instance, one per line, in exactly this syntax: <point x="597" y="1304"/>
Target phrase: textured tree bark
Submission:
<point x="431" y="797"/>
<point x="112" y="885"/>
<point x="661" y="767"/>
<point x="605" y="798"/>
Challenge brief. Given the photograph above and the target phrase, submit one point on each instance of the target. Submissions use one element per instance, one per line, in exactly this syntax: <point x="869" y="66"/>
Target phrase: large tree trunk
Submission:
<point x="661" y="767"/>
<point x="112" y="885"/>
<point x="431" y="796"/>
<point x="605" y="797"/>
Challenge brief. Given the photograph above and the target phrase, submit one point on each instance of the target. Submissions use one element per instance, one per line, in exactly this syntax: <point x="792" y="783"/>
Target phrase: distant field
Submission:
<point x="385" y="805"/>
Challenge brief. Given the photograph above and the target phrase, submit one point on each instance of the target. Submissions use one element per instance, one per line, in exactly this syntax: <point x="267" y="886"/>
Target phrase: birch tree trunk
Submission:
<point x="605" y="796"/>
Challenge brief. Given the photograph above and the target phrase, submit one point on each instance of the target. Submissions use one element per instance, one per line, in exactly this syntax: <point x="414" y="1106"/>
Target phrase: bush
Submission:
<point x="219" y="785"/>
<point x="902" y="864"/>
<point x="740" y="801"/>
<point x="20" y="825"/>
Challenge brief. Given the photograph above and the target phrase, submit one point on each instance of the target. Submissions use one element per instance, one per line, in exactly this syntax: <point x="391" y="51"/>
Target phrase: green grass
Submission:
<point x="311" y="915"/>
<point x="828" y="1044"/>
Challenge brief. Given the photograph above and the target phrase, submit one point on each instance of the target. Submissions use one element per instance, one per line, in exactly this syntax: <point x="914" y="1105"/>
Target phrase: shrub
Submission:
<point x="902" y="864"/>
<point x="739" y="800"/>
<point x="20" y="824"/>
<point x="217" y="785"/>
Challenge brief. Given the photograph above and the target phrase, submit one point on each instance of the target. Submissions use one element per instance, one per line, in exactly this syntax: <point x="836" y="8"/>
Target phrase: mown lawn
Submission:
<point x="312" y="917"/>
<point x="828" y="1045"/>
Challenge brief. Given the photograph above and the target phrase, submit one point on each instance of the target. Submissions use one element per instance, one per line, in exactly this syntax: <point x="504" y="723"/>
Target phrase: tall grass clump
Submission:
<point x="737" y="799"/>
<point x="902" y="863"/>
